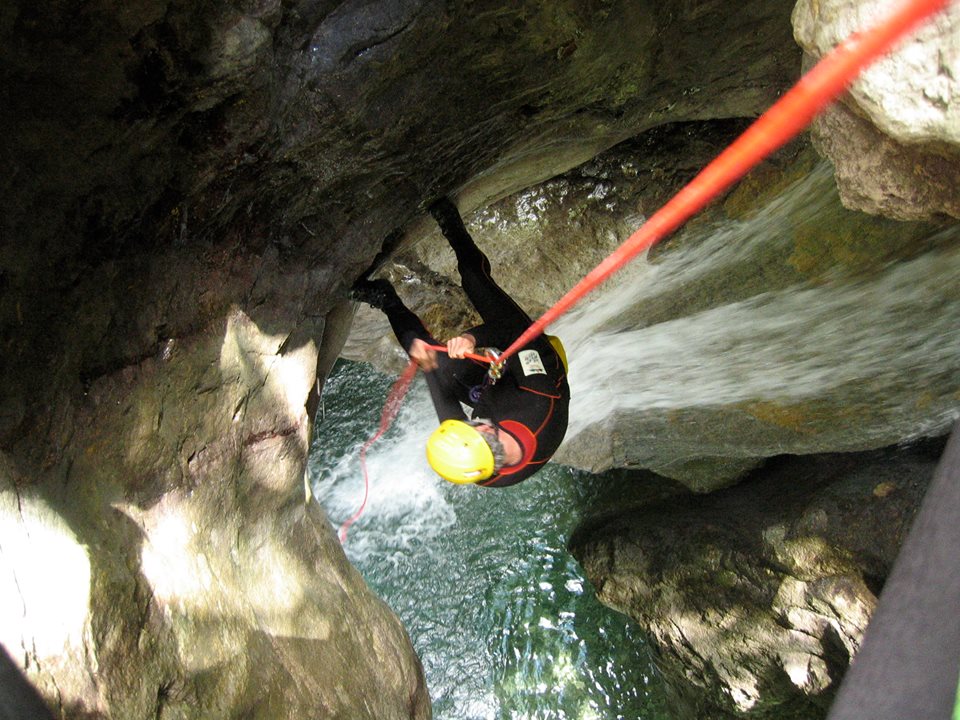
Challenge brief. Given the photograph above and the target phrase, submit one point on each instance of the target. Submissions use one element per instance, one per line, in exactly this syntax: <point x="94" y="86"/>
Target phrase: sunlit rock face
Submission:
<point x="170" y="564"/>
<point x="756" y="598"/>
<point x="895" y="138"/>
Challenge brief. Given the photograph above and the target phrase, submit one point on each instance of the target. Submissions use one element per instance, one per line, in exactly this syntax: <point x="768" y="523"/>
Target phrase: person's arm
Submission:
<point x="444" y="402"/>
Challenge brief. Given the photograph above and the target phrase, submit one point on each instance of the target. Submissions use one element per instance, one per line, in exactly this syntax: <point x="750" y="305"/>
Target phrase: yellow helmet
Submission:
<point x="459" y="453"/>
<point x="561" y="351"/>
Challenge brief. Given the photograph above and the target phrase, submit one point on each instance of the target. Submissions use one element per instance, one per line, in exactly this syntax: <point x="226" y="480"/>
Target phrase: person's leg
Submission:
<point x="491" y="301"/>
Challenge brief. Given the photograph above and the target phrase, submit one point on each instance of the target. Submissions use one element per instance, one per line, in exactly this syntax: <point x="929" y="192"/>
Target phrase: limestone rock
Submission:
<point x="878" y="175"/>
<point x="172" y="561"/>
<point x="895" y="140"/>
<point x="756" y="598"/>
<point x="912" y="93"/>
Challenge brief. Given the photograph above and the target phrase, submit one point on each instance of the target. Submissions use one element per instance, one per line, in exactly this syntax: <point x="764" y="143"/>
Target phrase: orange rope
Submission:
<point x="784" y="120"/>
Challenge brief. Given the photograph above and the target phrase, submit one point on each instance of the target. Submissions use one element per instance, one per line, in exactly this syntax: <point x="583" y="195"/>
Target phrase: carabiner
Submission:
<point x="496" y="368"/>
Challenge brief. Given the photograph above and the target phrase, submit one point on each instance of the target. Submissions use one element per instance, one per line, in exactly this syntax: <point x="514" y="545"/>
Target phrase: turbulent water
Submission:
<point x="500" y="614"/>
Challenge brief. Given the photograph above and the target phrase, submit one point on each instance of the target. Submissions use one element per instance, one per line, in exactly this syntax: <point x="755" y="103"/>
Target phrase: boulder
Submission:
<point x="756" y="598"/>
<point x="895" y="138"/>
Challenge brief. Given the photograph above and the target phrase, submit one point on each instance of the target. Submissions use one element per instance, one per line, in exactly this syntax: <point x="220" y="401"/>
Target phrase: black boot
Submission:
<point x="375" y="293"/>
<point x="450" y="222"/>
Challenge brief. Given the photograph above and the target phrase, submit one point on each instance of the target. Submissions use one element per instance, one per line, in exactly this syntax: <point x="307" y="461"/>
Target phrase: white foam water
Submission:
<point x="405" y="495"/>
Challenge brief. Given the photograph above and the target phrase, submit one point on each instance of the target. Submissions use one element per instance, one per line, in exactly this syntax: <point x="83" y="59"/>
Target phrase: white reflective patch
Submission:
<point x="531" y="363"/>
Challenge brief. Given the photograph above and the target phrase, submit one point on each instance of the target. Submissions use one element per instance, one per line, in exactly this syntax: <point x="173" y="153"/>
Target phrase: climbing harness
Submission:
<point x="782" y="122"/>
<point x="494" y="372"/>
<point x="490" y="356"/>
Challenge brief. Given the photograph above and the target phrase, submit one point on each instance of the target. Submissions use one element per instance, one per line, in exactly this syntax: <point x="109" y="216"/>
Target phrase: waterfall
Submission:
<point x="802" y="341"/>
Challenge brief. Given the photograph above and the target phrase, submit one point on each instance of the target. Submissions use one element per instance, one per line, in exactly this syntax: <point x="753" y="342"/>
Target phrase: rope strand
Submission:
<point x="390" y="409"/>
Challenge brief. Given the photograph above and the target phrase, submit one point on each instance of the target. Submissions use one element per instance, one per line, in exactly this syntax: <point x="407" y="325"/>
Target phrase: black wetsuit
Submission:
<point x="530" y="399"/>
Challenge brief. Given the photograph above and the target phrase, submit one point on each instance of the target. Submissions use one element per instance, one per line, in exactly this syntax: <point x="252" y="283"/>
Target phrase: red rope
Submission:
<point x="470" y="356"/>
<point x="390" y="409"/>
<point x="785" y="119"/>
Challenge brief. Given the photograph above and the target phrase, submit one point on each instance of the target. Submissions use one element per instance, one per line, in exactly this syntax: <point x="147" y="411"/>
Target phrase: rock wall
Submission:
<point x="188" y="189"/>
<point x="167" y="562"/>
<point x="894" y="139"/>
<point x="765" y="600"/>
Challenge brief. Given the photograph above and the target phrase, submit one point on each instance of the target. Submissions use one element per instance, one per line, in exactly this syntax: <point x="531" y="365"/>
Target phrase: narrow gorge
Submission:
<point x="191" y="188"/>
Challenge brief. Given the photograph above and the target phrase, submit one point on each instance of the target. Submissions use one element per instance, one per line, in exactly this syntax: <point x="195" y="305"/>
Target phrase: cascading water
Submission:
<point x="827" y="338"/>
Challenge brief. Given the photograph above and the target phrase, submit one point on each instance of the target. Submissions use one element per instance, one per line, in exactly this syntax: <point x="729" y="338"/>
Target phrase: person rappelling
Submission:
<point x="517" y="409"/>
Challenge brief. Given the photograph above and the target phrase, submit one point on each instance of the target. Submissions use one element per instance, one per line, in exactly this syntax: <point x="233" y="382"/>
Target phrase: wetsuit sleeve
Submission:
<point x="483" y="336"/>
<point x="492" y="335"/>
<point x="406" y="339"/>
